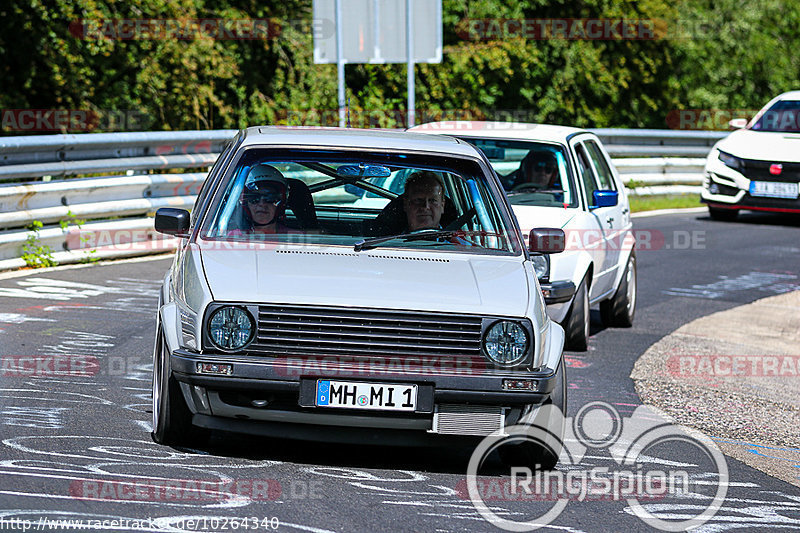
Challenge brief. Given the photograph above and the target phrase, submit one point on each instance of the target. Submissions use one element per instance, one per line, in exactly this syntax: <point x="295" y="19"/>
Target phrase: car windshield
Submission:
<point x="783" y="116"/>
<point x="345" y="198"/>
<point x="532" y="173"/>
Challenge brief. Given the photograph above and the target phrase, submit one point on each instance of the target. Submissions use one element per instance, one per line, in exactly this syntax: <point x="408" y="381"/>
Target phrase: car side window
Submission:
<point x="585" y="170"/>
<point x="604" y="174"/>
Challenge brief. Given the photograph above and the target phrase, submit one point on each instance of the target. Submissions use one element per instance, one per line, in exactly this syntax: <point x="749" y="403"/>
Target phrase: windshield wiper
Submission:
<point x="368" y="244"/>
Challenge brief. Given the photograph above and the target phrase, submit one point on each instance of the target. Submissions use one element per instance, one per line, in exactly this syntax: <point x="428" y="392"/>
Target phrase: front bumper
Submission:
<point x="558" y="292"/>
<point x="773" y="205"/>
<point x="275" y="396"/>
<point x="724" y="192"/>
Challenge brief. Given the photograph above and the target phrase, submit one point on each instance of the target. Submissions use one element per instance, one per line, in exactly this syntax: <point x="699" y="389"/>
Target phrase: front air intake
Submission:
<point x="460" y="419"/>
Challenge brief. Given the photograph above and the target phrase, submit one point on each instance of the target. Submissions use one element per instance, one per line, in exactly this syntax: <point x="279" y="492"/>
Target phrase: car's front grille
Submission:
<point x="352" y="332"/>
<point x="759" y="171"/>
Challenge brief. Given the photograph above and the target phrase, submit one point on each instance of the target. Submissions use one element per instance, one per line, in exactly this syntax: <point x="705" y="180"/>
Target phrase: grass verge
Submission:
<point x="663" y="201"/>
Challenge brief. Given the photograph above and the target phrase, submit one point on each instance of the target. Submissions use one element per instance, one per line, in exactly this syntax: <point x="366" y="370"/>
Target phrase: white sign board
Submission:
<point x="374" y="31"/>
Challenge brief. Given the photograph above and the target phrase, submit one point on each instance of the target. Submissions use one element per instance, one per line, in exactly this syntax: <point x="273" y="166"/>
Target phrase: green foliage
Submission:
<point x="34" y="253"/>
<point x="71" y="220"/>
<point x="717" y="54"/>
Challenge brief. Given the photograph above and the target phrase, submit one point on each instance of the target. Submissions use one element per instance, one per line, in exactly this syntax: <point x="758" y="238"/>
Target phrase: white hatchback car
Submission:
<point x="562" y="177"/>
<point x="757" y="167"/>
<point x="289" y="311"/>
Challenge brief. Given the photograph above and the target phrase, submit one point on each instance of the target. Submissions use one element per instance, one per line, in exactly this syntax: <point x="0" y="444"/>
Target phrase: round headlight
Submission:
<point x="540" y="266"/>
<point x="230" y="328"/>
<point x="506" y="342"/>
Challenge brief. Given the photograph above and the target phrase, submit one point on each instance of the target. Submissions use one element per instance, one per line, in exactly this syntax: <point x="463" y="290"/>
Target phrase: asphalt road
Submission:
<point x="78" y="446"/>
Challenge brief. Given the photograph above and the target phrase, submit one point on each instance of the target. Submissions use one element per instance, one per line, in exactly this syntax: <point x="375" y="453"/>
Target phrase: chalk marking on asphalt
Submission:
<point x="228" y="504"/>
<point x="446" y="492"/>
<point x="765" y="281"/>
<point x="33" y="417"/>
<point x="23" y="273"/>
<point x="19" y="318"/>
<point x="85" y="397"/>
<point x="362" y="475"/>
<point x="144" y="425"/>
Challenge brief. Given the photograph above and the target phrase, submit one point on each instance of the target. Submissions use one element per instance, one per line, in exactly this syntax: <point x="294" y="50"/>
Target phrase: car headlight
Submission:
<point x="506" y="342"/>
<point x="732" y="161"/>
<point x="230" y="328"/>
<point x="541" y="265"/>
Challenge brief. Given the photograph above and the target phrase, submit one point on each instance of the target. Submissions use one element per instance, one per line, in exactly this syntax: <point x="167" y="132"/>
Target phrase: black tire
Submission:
<point x="539" y="456"/>
<point x="576" y="325"/>
<point x="619" y="310"/>
<point x="172" y="419"/>
<point x="722" y="214"/>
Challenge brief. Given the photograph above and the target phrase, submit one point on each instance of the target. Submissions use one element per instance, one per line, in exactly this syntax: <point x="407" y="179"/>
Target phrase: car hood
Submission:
<point x="762" y="145"/>
<point x="381" y="279"/>
<point x="532" y="216"/>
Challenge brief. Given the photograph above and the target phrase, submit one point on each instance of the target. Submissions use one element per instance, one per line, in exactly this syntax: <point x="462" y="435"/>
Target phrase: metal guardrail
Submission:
<point x="117" y="209"/>
<point x="658" y="143"/>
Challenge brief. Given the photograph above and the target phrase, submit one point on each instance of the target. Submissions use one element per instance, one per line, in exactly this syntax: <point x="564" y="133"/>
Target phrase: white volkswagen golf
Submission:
<point x="562" y="177"/>
<point x="289" y="311"/>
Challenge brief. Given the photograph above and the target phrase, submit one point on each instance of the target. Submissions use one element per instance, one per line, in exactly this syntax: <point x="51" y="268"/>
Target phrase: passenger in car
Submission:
<point x="263" y="201"/>
<point x="423" y="200"/>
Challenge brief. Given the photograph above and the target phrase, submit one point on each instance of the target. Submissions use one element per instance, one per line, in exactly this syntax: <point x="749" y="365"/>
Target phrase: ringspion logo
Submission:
<point x="631" y="443"/>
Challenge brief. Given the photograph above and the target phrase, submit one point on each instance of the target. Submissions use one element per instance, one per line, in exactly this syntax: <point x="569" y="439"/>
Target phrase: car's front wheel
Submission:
<point x="717" y="213"/>
<point x="620" y="309"/>
<point x="576" y="325"/>
<point x="171" y="417"/>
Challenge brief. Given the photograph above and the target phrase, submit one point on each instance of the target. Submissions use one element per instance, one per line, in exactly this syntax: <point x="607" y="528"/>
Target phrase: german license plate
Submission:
<point x="772" y="189"/>
<point x="376" y="396"/>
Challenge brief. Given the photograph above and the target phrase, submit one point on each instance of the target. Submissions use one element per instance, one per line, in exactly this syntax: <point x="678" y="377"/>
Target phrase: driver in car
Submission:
<point x="423" y="200"/>
<point x="538" y="170"/>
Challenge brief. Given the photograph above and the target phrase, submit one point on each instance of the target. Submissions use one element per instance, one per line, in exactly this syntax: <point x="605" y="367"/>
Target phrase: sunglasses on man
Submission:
<point x="542" y="166"/>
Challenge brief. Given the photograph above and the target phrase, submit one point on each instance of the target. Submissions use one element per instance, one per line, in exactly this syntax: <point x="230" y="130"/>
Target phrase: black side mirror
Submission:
<point x="172" y="221"/>
<point x="547" y="240"/>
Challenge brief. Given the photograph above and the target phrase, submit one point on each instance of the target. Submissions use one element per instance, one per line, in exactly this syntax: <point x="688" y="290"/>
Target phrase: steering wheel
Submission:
<point x="525" y="187"/>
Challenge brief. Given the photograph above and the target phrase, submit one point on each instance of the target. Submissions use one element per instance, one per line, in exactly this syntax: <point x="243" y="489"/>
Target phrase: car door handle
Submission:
<point x="610" y="222"/>
<point x="625" y="211"/>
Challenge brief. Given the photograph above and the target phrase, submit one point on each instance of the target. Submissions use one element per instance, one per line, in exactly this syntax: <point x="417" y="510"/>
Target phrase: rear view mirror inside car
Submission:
<point x="363" y="171"/>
